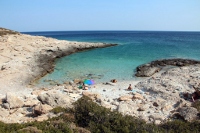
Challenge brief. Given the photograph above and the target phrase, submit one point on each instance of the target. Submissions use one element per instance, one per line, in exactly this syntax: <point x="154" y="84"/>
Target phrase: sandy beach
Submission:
<point x="25" y="58"/>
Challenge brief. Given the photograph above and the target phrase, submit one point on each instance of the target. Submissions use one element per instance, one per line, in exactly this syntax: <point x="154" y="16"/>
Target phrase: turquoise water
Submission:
<point x="134" y="48"/>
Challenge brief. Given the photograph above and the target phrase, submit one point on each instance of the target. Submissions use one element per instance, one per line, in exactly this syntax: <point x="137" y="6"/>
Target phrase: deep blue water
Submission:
<point x="119" y="62"/>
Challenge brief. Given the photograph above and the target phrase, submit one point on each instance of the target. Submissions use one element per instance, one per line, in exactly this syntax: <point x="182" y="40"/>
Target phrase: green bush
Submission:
<point x="58" y="110"/>
<point x="101" y="120"/>
<point x="54" y="125"/>
<point x="178" y="126"/>
<point x="29" y="130"/>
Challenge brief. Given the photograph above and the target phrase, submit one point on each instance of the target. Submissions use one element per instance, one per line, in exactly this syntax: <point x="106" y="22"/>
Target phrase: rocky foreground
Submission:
<point x="24" y="58"/>
<point x="155" y="99"/>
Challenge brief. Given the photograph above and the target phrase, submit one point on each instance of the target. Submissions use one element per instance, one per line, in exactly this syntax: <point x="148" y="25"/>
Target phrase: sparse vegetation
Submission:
<point x="98" y="119"/>
<point x="88" y="116"/>
<point x="58" y="125"/>
<point x="4" y="31"/>
<point x="58" y="110"/>
<point x="101" y="120"/>
<point x="178" y="126"/>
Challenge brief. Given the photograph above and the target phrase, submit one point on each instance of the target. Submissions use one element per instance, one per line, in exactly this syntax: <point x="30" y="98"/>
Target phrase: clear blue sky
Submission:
<point x="68" y="15"/>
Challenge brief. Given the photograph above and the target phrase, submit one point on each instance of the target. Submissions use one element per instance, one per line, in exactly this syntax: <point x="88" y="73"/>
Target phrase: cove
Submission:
<point x="119" y="62"/>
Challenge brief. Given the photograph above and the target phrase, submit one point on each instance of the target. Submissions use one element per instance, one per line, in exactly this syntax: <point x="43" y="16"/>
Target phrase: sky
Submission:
<point x="81" y="15"/>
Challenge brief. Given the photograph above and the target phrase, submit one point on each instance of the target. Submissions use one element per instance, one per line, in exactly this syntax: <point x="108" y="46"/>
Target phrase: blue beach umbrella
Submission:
<point x="88" y="81"/>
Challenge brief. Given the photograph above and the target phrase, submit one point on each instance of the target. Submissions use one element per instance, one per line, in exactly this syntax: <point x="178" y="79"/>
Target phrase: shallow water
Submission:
<point x="119" y="62"/>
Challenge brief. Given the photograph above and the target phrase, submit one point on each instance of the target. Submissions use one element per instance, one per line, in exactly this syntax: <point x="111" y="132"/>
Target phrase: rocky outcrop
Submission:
<point x="146" y="71"/>
<point x="188" y="113"/>
<point x="40" y="109"/>
<point x="13" y="101"/>
<point x="149" y="69"/>
<point x="55" y="99"/>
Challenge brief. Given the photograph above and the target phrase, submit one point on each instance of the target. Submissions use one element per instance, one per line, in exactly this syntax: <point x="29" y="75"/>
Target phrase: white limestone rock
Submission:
<point x="13" y="101"/>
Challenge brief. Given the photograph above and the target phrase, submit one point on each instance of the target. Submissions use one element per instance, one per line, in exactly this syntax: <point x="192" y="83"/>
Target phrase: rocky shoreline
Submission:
<point x="153" y="67"/>
<point x="25" y="58"/>
<point x="155" y="99"/>
<point x="46" y="59"/>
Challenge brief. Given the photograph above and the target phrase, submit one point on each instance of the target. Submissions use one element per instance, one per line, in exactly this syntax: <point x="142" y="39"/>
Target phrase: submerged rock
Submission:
<point x="146" y="71"/>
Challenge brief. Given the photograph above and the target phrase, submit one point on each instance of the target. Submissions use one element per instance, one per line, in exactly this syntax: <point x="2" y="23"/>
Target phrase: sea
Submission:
<point x="118" y="62"/>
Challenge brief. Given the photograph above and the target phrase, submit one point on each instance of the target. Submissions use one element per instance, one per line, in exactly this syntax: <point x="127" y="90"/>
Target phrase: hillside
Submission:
<point x="4" y="31"/>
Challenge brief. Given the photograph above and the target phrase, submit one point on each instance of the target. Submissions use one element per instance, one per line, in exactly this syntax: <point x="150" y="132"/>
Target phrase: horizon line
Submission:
<point x="111" y="30"/>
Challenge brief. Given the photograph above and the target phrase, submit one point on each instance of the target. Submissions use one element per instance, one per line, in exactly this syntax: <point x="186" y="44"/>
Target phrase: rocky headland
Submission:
<point x="156" y="98"/>
<point x="153" y="67"/>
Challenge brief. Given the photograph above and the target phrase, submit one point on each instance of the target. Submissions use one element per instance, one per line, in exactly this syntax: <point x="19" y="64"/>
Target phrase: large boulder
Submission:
<point x="31" y="102"/>
<point x="13" y="101"/>
<point x="41" y="109"/>
<point x="55" y="99"/>
<point x="188" y="113"/>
